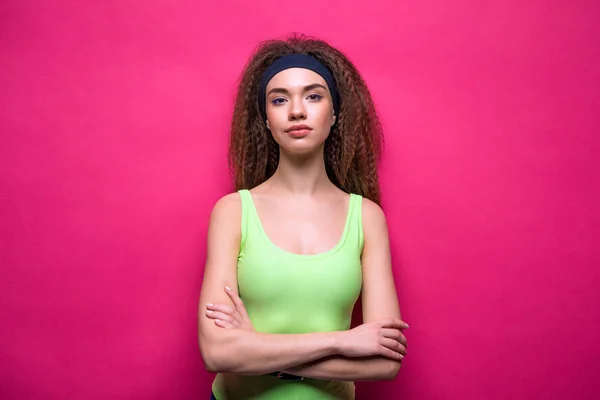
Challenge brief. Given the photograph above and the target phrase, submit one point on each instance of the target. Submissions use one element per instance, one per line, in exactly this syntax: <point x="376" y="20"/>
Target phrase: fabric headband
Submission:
<point x="296" y="61"/>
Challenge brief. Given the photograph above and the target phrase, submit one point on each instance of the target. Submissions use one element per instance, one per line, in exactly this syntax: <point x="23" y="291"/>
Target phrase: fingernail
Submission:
<point x="209" y="304"/>
<point x="407" y="325"/>
<point x="209" y="311"/>
<point x="228" y="288"/>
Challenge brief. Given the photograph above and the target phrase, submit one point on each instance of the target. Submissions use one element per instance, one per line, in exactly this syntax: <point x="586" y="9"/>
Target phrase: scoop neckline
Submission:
<point x="304" y="256"/>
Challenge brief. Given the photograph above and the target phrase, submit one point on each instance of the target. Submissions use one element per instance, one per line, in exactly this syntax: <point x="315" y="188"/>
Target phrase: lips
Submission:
<point x="298" y="131"/>
<point x="299" y="128"/>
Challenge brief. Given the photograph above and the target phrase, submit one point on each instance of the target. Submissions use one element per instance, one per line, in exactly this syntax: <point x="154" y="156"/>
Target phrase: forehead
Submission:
<point x="295" y="78"/>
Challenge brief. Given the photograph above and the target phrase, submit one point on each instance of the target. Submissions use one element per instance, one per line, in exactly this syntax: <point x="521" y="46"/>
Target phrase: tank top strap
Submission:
<point x="247" y="209"/>
<point x="355" y="218"/>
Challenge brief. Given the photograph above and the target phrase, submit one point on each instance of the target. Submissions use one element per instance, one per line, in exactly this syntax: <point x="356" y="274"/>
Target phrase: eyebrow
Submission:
<point x="306" y="88"/>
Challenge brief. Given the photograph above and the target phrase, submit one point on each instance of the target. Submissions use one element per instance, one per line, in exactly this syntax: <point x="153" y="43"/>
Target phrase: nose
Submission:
<point x="297" y="110"/>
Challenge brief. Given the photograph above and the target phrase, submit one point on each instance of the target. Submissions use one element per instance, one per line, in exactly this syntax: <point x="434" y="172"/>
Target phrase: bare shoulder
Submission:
<point x="227" y="211"/>
<point x="372" y="215"/>
<point x="230" y="203"/>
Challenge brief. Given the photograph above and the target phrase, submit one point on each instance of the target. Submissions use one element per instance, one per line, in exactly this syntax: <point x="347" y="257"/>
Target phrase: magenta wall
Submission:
<point x="114" y="119"/>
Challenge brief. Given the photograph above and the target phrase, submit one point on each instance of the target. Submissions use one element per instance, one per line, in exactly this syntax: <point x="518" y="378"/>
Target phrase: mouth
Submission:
<point x="298" y="130"/>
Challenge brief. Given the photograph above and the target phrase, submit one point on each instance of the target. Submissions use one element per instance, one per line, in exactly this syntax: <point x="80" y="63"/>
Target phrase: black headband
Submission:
<point x="296" y="61"/>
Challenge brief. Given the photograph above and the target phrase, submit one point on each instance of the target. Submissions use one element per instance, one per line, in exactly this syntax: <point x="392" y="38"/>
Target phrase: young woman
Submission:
<point x="290" y="252"/>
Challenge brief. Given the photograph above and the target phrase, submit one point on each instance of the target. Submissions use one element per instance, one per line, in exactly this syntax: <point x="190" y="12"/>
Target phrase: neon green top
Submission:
<point x="291" y="293"/>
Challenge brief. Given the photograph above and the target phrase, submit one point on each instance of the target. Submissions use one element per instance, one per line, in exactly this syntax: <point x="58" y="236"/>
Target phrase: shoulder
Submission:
<point x="372" y="214"/>
<point x="229" y="202"/>
<point x="227" y="210"/>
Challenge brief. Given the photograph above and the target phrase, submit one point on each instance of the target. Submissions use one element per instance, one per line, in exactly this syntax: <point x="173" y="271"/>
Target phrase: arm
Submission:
<point x="379" y="300"/>
<point x="237" y="350"/>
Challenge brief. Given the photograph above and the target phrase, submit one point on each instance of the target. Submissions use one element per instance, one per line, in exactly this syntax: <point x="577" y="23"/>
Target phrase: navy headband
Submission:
<point x="296" y="61"/>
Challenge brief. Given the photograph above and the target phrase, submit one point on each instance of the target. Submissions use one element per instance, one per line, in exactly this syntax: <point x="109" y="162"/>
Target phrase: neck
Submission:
<point x="301" y="175"/>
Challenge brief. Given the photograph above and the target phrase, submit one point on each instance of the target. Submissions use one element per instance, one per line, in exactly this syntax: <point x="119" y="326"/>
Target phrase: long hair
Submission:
<point x="354" y="144"/>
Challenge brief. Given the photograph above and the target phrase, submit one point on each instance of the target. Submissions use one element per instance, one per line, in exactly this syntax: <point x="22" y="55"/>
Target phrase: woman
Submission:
<point x="290" y="251"/>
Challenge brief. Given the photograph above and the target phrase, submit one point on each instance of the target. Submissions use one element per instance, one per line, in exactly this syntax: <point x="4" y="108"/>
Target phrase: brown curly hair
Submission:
<point x="354" y="144"/>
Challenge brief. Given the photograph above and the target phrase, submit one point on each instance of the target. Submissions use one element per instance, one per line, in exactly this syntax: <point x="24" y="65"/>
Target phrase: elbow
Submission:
<point x="208" y="358"/>
<point x="211" y="364"/>
<point x="214" y="363"/>
<point x="221" y="354"/>
<point x="392" y="371"/>
<point x="214" y="360"/>
<point x="213" y="367"/>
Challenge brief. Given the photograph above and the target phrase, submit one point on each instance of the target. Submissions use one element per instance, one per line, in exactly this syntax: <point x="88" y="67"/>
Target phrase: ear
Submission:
<point x="268" y="126"/>
<point x="333" y="119"/>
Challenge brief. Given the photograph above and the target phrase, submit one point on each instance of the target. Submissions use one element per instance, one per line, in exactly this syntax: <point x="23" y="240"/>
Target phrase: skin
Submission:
<point x="292" y="206"/>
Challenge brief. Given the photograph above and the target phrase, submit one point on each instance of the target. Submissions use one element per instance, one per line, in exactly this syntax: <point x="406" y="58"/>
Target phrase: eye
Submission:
<point x="315" y="97"/>
<point x="277" y="101"/>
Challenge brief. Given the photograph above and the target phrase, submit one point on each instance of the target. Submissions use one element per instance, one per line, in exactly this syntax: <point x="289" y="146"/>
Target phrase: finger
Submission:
<point x="224" y="308"/>
<point x="394" y="334"/>
<point x="219" y="315"/>
<point x="396" y="323"/>
<point x="391" y="333"/>
<point x="391" y="354"/>
<point x="237" y="301"/>
<point x="394" y="345"/>
<point x="402" y="340"/>
<point x="393" y="323"/>
<point x="223" y="324"/>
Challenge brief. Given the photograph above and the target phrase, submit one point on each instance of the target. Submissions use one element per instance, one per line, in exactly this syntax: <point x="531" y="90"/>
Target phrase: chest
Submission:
<point x="303" y="228"/>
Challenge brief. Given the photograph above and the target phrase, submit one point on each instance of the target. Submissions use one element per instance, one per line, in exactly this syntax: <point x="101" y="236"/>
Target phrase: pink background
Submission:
<point x="114" y="126"/>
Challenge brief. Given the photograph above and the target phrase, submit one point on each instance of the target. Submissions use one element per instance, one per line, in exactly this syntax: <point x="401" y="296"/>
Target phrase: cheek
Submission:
<point x="278" y="118"/>
<point x="323" y="118"/>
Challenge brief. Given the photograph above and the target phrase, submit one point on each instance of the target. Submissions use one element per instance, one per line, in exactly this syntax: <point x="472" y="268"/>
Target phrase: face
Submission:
<point x="299" y="110"/>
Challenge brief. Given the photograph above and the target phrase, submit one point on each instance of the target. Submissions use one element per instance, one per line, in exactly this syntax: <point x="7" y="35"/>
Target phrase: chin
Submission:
<point x="301" y="146"/>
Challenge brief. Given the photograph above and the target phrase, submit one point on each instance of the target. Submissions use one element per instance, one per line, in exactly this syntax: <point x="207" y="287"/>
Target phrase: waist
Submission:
<point x="270" y="387"/>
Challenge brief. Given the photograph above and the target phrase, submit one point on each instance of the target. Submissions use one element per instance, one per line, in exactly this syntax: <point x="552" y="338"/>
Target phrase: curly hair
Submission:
<point x="354" y="144"/>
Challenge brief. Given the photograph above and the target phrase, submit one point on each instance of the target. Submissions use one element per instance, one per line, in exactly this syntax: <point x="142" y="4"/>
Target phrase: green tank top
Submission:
<point x="290" y="293"/>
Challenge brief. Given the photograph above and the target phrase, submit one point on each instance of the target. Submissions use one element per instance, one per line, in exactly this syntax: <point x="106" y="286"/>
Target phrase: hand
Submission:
<point x="229" y="317"/>
<point x="377" y="338"/>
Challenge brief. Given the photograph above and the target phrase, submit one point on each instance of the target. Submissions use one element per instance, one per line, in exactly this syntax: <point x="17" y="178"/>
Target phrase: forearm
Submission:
<point x="253" y="353"/>
<point x="342" y="368"/>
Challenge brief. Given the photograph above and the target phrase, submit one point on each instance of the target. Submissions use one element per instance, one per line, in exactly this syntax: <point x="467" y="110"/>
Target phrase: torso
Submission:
<point x="299" y="271"/>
